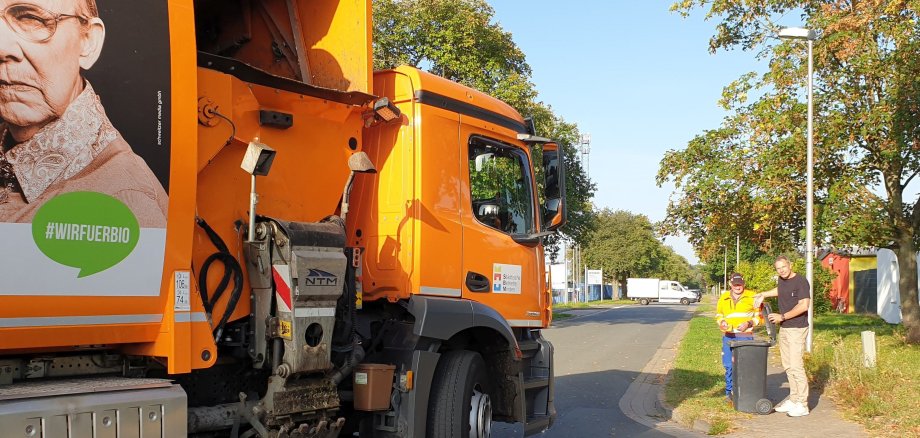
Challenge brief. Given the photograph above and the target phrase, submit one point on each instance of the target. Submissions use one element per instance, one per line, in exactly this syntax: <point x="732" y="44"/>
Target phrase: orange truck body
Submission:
<point x="414" y="233"/>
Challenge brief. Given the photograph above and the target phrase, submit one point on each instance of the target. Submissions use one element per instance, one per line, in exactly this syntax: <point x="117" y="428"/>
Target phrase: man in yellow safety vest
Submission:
<point x="736" y="315"/>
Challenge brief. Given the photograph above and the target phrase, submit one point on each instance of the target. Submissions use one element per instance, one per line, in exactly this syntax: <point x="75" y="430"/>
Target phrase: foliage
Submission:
<point x="459" y="40"/>
<point x="623" y="245"/>
<point x="760" y="275"/>
<point x="673" y="266"/>
<point x="747" y="177"/>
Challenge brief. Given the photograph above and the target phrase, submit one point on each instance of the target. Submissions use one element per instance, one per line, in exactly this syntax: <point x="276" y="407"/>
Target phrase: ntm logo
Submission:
<point x="321" y="278"/>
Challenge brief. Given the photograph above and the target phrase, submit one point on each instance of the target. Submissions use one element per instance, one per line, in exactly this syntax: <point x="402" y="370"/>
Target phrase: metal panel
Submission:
<point x="56" y="426"/>
<point x="129" y="423"/>
<point x="81" y="425"/>
<point x="105" y="423"/>
<point x="125" y="413"/>
<point x="152" y="421"/>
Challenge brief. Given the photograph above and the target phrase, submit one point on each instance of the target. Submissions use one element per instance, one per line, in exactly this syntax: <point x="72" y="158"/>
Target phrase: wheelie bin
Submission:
<point x="749" y="361"/>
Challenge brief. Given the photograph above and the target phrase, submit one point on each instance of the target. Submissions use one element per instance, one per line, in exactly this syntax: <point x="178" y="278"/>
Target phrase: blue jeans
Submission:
<point x="727" y="357"/>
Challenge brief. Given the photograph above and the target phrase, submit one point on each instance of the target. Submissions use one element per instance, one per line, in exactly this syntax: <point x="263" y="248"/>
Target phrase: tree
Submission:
<point x="673" y="266"/>
<point x="623" y="245"/>
<point x="746" y="177"/>
<point x="458" y="40"/>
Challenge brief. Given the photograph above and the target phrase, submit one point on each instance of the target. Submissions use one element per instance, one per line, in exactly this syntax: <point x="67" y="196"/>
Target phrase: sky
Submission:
<point x="636" y="77"/>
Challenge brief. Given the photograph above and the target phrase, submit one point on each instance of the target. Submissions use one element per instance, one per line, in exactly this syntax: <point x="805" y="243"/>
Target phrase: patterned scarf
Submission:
<point x="58" y="151"/>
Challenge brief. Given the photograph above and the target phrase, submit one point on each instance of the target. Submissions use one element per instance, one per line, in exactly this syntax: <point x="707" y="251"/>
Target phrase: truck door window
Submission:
<point x="500" y="184"/>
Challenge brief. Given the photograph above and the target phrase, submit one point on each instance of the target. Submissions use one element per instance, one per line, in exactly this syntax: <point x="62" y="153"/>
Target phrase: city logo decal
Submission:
<point x="496" y="278"/>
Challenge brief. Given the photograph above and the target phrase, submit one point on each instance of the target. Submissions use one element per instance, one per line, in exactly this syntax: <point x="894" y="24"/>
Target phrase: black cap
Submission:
<point x="736" y="279"/>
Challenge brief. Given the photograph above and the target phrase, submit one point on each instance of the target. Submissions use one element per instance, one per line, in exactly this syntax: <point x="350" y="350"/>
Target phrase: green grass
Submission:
<point x="884" y="398"/>
<point x="697" y="384"/>
<point x="560" y="316"/>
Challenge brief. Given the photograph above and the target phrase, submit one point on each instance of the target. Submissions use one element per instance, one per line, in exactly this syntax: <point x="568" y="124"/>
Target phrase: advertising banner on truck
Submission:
<point x="85" y="109"/>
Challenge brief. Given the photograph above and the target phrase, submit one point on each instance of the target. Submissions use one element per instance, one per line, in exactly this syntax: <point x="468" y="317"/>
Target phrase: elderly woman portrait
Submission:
<point x="56" y="137"/>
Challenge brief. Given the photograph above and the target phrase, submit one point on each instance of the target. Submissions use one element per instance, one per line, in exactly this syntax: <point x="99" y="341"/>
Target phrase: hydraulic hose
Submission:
<point x="232" y="270"/>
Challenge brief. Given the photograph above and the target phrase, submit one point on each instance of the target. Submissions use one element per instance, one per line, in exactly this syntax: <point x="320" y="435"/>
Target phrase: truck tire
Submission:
<point x="643" y="301"/>
<point x="684" y="301"/>
<point x="460" y="405"/>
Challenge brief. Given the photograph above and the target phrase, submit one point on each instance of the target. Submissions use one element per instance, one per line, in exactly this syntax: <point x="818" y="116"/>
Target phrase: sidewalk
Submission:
<point x="644" y="403"/>
<point x="823" y="421"/>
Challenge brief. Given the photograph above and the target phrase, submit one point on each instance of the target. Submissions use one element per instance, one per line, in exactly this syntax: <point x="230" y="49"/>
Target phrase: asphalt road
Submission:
<point x="597" y="356"/>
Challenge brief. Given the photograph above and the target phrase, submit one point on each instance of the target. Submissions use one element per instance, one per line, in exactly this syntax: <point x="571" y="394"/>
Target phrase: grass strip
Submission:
<point x="884" y="399"/>
<point x="696" y="387"/>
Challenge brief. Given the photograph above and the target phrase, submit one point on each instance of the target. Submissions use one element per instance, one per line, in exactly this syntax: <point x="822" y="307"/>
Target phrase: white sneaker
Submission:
<point x="784" y="406"/>
<point x="798" y="410"/>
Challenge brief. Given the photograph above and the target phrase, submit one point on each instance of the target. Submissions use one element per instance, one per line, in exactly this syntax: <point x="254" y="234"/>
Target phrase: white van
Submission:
<point x="650" y="290"/>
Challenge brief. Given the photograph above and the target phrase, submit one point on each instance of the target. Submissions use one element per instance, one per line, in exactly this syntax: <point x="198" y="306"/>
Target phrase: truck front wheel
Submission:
<point x="643" y="301"/>
<point x="684" y="301"/>
<point x="460" y="406"/>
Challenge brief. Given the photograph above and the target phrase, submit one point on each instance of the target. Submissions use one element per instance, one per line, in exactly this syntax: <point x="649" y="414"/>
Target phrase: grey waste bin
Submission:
<point x="749" y="364"/>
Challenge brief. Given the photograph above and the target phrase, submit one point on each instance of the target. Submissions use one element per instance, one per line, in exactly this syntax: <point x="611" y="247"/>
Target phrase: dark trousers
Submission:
<point x="727" y="357"/>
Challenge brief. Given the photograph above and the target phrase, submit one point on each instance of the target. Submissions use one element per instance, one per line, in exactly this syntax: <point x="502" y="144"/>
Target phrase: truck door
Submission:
<point x="498" y="204"/>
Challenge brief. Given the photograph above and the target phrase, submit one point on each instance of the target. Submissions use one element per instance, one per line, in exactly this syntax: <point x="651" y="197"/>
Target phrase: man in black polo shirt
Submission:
<point x="794" y="295"/>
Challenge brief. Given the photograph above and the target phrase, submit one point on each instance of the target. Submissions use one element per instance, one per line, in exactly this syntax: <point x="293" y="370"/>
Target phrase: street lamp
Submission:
<point x="800" y="33"/>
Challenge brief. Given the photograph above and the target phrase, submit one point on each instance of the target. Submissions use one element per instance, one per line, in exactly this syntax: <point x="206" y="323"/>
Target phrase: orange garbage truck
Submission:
<point x="227" y="224"/>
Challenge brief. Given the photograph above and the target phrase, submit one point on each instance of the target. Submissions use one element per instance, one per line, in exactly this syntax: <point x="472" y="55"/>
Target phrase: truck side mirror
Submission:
<point x="554" y="211"/>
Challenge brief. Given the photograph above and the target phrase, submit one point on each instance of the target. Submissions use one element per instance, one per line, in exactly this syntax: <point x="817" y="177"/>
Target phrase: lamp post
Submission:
<point x="800" y="33"/>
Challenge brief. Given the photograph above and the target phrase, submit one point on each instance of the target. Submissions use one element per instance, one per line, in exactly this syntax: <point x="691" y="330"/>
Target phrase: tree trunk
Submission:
<point x="907" y="285"/>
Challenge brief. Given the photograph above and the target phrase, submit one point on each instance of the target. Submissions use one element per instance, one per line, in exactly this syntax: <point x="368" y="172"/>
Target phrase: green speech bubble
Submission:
<point x="86" y="230"/>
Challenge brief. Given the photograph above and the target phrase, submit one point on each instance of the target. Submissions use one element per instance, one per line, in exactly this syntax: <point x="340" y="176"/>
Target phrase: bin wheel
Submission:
<point x="684" y="301"/>
<point x="643" y="301"/>
<point x="763" y="406"/>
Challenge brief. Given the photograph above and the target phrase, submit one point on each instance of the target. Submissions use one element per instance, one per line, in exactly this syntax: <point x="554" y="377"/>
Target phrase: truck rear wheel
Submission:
<point x="460" y="405"/>
<point x="643" y="301"/>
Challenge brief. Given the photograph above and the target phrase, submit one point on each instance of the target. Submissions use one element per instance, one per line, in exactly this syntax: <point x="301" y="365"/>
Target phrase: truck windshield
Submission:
<point x="500" y="185"/>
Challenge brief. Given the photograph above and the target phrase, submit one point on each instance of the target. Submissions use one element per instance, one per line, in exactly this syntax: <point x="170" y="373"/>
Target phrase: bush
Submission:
<point x="822" y="288"/>
<point x="760" y="276"/>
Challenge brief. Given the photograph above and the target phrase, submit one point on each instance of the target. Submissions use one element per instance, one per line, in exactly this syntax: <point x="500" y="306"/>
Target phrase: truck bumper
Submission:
<point x="111" y="407"/>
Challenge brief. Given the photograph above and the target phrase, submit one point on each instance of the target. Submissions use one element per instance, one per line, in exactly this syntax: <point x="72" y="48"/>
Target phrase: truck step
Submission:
<point x="528" y="346"/>
<point x="529" y="349"/>
<point x="536" y="382"/>
<point x="536" y="424"/>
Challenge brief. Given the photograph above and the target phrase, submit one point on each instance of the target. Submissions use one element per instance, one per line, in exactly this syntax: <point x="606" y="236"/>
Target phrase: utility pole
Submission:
<point x="737" y="251"/>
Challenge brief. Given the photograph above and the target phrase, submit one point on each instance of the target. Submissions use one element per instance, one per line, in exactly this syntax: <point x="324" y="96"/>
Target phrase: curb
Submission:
<point x="644" y="402"/>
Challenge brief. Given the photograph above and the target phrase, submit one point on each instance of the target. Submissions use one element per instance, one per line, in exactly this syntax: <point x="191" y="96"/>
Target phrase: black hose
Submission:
<point x="232" y="270"/>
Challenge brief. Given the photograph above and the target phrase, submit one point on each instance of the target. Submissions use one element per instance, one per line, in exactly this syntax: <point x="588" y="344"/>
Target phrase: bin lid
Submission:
<point x="749" y="343"/>
<point x="375" y="367"/>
